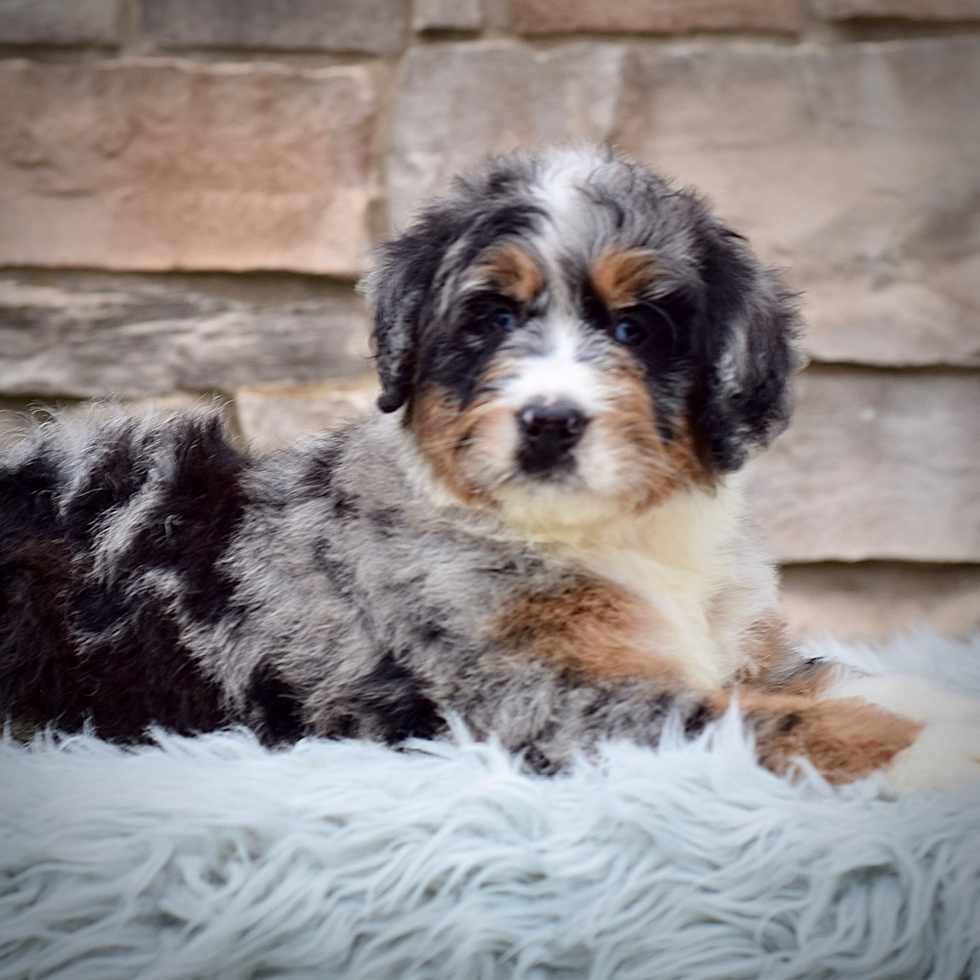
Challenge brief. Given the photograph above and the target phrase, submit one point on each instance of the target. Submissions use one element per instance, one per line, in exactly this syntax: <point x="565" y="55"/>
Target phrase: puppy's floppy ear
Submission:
<point x="398" y="290"/>
<point x="748" y="348"/>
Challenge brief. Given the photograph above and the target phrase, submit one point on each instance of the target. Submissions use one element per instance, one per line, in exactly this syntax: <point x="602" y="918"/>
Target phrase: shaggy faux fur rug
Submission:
<point x="214" y="858"/>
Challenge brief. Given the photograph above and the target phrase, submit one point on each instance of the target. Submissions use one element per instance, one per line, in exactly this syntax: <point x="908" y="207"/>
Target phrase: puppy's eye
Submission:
<point x="488" y="314"/>
<point x="629" y="332"/>
<point x="500" y="319"/>
<point x="638" y="326"/>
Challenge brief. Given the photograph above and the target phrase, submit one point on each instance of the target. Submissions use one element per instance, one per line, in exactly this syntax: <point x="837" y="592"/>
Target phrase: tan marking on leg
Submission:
<point x="619" y="276"/>
<point x="513" y="272"/>
<point x="844" y="740"/>
<point x="595" y="627"/>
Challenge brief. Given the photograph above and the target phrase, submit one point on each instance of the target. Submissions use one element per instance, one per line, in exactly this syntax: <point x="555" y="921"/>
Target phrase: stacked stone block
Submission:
<point x="188" y="189"/>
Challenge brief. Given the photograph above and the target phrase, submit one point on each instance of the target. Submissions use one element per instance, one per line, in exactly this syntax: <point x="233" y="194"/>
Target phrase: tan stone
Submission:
<point x="59" y="22"/>
<point x="857" y="167"/>
<point x="148" y="164"/>
<point x="655" y="16"/>
<point x="274" y="416"/>
<point x="459" y="102"/>
<point x="926" y="10"/>
<point x="151" y="340"/>
<point x="875" y="465"/>
<point x="447" y="15"/>
<point x="876" y="600"/>
<point x="374" y="26"/>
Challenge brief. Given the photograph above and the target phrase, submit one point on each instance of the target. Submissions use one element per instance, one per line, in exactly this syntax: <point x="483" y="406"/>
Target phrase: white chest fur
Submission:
<point x="694" y="561"/>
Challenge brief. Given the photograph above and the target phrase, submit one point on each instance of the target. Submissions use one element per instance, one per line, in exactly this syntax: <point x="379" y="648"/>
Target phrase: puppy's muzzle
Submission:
<point x="549" y="433"/>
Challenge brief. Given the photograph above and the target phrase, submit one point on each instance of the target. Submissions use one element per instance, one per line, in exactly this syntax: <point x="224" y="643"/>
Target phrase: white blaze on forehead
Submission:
<point x="559" y="184"/>
<point x="560" y="372"/>
<point x="569" y="216"/>
<point x="563" y="173"/>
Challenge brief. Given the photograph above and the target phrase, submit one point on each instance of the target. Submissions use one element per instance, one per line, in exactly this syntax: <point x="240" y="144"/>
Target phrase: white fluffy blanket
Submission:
<point x="214" y="858"/>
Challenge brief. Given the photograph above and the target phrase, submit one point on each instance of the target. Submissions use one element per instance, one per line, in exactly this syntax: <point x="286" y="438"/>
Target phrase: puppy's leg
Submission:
<point x="946" y="754"/>
<point x="547" y="713"/>
<point x="845" y="740"/>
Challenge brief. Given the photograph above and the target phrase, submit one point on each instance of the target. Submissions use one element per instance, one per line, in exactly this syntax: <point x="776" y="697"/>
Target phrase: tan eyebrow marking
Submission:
<point x="513" y="272"/>
<point x="618" y="275"/>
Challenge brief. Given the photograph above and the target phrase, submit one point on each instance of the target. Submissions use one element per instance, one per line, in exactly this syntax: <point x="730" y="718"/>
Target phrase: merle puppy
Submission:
<point x="539" y="531"/>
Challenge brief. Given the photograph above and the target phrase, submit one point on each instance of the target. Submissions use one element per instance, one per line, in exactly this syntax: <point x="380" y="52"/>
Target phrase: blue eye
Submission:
<point x="645" y="326"/>
<point x="501" y="319"/>
<point x="629" y="332"/>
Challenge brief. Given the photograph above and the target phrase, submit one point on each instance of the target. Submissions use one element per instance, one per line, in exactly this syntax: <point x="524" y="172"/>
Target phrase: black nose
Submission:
<point x="549" y="433"/>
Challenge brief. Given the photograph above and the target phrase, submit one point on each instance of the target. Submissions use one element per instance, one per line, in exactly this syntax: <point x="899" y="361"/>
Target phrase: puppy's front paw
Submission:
<point x="909" y="695"/>
<point x="944" y="757"/>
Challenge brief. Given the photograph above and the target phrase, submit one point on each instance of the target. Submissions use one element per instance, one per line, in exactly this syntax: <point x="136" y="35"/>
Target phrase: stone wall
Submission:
<point x="187" y="189"/>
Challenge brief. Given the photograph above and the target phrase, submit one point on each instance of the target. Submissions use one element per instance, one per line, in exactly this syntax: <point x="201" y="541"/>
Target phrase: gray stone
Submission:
<point x="447" y="15"/>
<point x="656" y="16"/>
<point x="373" y="26"/>
<point x="59" y="22"/>
<point x="458" y="102"/>
<point x="147" y="341"/>
<point x="273" y="416"/>
<point x="159" y="164"/>
<point x="875" y="465"/>
<point x="876" y="600"/>
<point x="921" y="10"/>
<point x="857" y="167"/>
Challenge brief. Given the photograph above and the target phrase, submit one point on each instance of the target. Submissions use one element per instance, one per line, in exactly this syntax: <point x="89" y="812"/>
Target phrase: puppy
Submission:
<point x="541" y="530"/>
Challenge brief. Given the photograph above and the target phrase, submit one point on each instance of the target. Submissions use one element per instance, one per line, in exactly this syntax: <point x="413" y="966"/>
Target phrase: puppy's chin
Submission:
<point x="554" y="508"/>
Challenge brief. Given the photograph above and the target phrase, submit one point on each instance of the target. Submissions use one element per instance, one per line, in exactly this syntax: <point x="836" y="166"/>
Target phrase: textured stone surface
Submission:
<point x="458" y="102"/>
<point x="59" y="21"/>
<point x="923" y="10"/>
<point x="273" y="416"/>
<point x="137" y="164"/>
<point x="656" y="16"/>
<point x="375" y="26"/>
<point x="150" y="341"/>
<point x="875" y="600"/>
<point x="857" y="167"/>
<point x="875" y="465"/>
<point x="447" y="15"/>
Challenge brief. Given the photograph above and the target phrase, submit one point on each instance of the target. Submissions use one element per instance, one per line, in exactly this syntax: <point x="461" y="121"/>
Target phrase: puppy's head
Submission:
<point x="567" y="331"/>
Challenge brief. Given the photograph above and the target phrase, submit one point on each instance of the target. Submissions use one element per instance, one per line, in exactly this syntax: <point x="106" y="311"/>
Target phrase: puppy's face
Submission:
<point x="557" y="383"/>
<point x="572" y="336"/>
